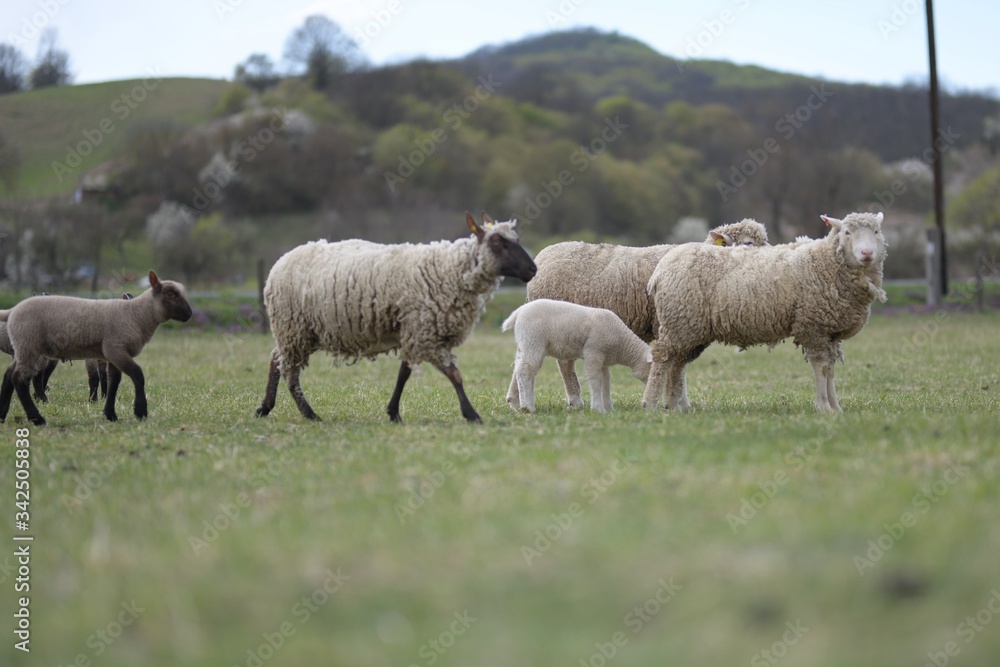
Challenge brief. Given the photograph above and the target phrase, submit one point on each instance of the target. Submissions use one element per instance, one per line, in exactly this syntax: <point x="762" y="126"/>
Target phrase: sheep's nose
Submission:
<point x="867" y="253"/>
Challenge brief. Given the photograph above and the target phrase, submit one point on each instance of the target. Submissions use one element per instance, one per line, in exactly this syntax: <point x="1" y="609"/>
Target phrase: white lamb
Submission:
<point x="358" y="299"/>
<point x="568" y="331"/>
<point x="817" y="292"/>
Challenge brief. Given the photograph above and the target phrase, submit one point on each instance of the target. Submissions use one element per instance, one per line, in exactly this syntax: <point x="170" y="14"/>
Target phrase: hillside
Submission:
<point x="90" y="121"/>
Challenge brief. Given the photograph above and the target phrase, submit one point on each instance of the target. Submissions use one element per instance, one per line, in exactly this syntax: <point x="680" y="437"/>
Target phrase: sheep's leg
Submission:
<point x="41" y="381"/>
<point x="513" y="395"/>
<point x="6" y="392"/>
<point x="271" y="391"/>
<point x="824" y="377"/>
<point x="114" y="379"/>
<point x="102" y="377"/>
<point x="22" y="385"/>
<point x="598" y="384"/>
<point x="397" y="392"/>
<point x="606" y="378"/>
<point x="524" y="374"/>
<point x="94" y="379"/>
<point x="567" y="367"/>
<point x="675" y="393"/>
<point x="654" y="386"/>
<point x="451" y="372"/>
<point x="295" y="387"/>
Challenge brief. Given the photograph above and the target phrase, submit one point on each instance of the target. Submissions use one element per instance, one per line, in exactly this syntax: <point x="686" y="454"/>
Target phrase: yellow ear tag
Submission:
<point x="720" y="241"/>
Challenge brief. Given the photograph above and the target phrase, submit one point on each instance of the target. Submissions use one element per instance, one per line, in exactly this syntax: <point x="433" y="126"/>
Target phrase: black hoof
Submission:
<point x="41" y="398"/>
<point x="262" y="411"/>
<point x="38" y="421"/>
<point x="111" y="417"/>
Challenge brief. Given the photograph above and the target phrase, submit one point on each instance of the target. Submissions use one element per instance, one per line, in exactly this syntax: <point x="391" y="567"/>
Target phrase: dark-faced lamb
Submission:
<point x="63" y="327"/>
<point x="358" y="299"/>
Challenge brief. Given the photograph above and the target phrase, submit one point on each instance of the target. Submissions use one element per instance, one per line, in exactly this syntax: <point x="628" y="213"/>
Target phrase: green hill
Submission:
<point x="79" y="127"/>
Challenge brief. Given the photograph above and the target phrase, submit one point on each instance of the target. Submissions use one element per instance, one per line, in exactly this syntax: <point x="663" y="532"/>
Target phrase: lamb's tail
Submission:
<point x="3" y="315"/>
<point x="508" y="323"/>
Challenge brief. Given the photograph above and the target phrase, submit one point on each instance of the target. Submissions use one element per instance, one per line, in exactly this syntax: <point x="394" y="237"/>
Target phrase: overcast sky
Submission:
<point x="878" y="41"/>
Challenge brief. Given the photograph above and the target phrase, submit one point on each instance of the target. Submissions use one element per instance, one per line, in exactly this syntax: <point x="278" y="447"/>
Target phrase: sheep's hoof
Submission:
<point x="262" y="411"/>
<point x="38" y="421"/>
<point x="41" y="398"/>
<point x="112" y="417"/>
<point x="313" y="417"/>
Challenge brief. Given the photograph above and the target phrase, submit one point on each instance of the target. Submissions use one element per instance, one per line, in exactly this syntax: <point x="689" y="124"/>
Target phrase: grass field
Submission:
<point x="750" y="531"/>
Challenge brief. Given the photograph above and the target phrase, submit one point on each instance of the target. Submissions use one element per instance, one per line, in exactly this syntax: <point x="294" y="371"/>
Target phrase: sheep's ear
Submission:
<point x="719" y="239"/>
<point x="154" y="282"/>
<point x="831" y="222"/>
<point x="487" y="220"/>
<point x="878" y="217"/>
<point x="474" y="227"/>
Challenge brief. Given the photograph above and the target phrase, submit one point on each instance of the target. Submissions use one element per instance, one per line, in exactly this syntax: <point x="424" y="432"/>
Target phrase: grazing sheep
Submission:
<point x="601" y="275"/>
<point x="63" y="327"/>
<point x="358" y="299"/>
<point x="568" y="331"/>
<point x="818" y="292"/>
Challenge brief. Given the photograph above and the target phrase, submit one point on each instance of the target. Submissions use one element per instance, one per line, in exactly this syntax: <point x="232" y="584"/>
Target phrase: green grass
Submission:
<point x="920" y="395"/>
<point x="47" y="124"/>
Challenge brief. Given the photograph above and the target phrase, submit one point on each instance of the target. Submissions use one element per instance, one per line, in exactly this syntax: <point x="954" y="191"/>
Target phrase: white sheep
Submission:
<point x="817" y="292"/>
<point x="358" y="299"/>
<point x="64" y="327"/>
<point x="601" y="275"/>
<point x="568" y="331"/>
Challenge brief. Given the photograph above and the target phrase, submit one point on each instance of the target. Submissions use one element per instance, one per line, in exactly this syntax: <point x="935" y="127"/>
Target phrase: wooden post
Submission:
<point x="942" y="265"/>
<point x="980" y="266"/>
<point x="261" y="277"/>
<point x="933" y="267"/>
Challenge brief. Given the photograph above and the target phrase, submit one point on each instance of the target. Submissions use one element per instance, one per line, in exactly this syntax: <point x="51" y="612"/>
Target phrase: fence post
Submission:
<point x="933" y="266"/>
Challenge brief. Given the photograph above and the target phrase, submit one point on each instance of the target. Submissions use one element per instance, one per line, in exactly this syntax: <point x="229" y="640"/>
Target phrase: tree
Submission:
<point x="977" y="209"/>
<point x="13" y="69"/>
<point x="257" y="72"/>
<point x="52" y="66"/>
<point x="323" y="51"/>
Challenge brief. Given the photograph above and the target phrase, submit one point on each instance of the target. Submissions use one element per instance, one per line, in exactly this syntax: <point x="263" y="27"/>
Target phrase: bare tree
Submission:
<point x="322" y="51"/>
<point x="13" y="68"/>
<point x="52" y="66"/>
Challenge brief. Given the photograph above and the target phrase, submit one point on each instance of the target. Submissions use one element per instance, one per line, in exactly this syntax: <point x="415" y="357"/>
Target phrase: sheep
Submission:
<point x="358" y="299"/>
<point x="819" y="292"/>
<point x="568" y="331"/>
<point x="63" y="327"/>
<point x="615" y="277"/>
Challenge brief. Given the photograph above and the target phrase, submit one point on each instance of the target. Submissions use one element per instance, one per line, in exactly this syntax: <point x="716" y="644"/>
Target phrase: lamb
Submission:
<point x="63" y="327"/>
<point x="358" y="299"/>
<point x="568" y="331"/>
<point x="615" y="277"/>
<point x="819" y="292"/>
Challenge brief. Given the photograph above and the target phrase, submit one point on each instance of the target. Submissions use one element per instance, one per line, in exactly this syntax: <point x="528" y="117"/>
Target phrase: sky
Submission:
<point x="875" y="41"/>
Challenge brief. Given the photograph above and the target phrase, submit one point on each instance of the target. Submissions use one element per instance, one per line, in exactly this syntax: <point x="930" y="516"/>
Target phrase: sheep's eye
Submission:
<point x="847" y="232"/>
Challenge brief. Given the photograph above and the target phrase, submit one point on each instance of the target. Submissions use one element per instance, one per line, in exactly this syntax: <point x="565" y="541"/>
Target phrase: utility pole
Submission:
<point x="941" y="265"/>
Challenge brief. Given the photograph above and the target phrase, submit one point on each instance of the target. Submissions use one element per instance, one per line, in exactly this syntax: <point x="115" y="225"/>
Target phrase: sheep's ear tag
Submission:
<point x="487" y="220"/>
<point x="473" y="226"/>
<point x="719" y="238"/>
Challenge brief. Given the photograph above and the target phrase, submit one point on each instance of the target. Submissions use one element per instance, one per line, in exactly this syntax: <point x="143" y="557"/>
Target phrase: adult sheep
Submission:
<point x="358" y="299"/>
<point x="602" y="275"/>
<point x="817" y="292"/>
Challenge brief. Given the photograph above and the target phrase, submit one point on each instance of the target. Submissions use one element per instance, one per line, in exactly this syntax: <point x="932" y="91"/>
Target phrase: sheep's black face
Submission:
<point x="173" y="302"/>
<point x="514" y="260"/>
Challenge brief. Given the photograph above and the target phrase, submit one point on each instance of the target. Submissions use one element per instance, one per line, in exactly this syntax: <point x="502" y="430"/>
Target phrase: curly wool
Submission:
<point x="357" y="299"/>
<point x="610" y="276"/>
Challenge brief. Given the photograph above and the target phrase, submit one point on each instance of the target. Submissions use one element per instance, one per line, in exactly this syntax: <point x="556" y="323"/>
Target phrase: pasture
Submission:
<point x="750" y="531"/>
